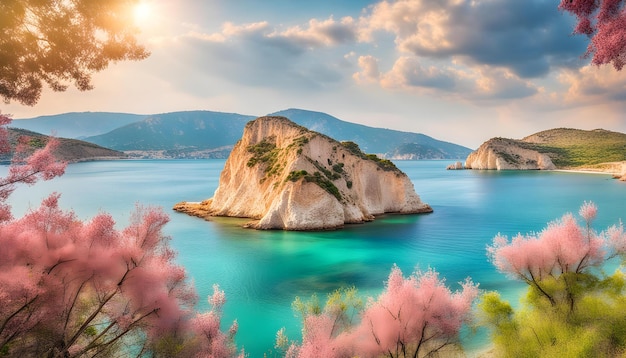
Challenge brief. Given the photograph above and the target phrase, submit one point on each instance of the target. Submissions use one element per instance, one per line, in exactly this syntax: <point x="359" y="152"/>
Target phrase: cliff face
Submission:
<point x="559" y="148"/>
<point x="286" y="177"/>
<point x="502" y="154"/>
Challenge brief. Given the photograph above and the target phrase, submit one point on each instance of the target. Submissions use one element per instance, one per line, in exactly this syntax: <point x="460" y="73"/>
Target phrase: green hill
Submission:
<point x="573" y="148"/>
<point x="70" y="150"/>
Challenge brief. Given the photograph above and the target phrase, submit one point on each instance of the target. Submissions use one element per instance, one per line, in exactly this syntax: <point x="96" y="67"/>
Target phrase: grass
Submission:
<point x="570" y="148"/>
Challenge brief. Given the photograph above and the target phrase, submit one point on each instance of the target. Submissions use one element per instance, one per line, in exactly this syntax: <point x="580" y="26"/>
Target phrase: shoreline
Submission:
<point x="584" y="171"/>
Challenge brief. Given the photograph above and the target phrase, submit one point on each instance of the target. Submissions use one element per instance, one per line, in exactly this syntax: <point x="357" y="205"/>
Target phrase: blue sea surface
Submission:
<point x="263" y="271"/>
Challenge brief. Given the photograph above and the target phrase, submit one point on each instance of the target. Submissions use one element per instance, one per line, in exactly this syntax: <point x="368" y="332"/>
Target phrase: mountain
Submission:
<point x="181" y="132"/>
<point x="69" y="150"/>
<point x="284" y="176"/>
<point x="560" y="148"/>
<point x="77" y="125"/>
<point x="206" y="134"/>
<point x="388" y="143"/>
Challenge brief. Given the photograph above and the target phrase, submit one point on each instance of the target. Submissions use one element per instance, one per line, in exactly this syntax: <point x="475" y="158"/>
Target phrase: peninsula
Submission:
<point x="596" y="150"/>
<point x="286" y="177"/>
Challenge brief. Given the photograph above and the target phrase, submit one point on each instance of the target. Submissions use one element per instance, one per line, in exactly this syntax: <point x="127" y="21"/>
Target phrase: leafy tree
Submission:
<point x="571" y="308"/>
<point x="60" y="42"/>
<point x="414" y="316"/>
<point x="604" y="21"/>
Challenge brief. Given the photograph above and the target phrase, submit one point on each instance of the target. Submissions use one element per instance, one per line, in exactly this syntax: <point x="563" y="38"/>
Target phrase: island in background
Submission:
<point x="69" y="150"/>
<point x="284" y="176"/>
<point x="596" y="150"/>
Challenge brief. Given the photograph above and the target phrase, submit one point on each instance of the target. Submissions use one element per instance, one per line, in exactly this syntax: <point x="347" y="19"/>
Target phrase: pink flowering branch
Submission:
<point x="604" y="21"/>
<point x="27" y="166"/>
<point x="413" y="316"/>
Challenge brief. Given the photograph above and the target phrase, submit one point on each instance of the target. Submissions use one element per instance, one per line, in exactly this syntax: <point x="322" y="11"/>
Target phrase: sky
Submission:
<point x="461" y="71"/>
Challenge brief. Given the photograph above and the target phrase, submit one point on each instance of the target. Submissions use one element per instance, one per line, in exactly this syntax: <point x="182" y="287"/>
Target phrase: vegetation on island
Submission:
<point x="267" y="154"/>
<point x="384" y="164"/>
<point x="570" y="148"/>
<point x="69" y="150"/>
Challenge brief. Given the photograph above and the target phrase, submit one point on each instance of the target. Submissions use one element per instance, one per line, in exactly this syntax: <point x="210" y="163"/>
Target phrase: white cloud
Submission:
<point x="369" y="70"/>
<point x="528" y="38"/>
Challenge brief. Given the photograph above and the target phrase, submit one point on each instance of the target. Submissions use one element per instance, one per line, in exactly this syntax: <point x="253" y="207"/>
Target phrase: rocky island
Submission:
<point x="595" y="150"/>
<point x="284" y="176"/>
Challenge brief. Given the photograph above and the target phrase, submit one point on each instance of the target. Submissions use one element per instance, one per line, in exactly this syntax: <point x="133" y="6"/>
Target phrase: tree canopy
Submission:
<point x="62" y="42"/>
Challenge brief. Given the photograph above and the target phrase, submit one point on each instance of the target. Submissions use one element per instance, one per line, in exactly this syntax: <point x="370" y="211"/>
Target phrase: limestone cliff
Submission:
<point x="503" y="154"/>
<point x="286" y="177"/>
<point x="560" y="148"/>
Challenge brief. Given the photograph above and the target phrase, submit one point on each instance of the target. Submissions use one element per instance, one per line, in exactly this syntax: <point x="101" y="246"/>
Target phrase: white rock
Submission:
<point x="264" y="192"/>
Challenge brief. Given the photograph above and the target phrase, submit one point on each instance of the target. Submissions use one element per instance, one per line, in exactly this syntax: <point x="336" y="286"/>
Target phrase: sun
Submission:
<point x="142" y="12"/>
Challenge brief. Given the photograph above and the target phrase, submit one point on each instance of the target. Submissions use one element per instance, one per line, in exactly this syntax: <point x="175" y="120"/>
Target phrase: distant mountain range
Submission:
<point x="206" y="134"/>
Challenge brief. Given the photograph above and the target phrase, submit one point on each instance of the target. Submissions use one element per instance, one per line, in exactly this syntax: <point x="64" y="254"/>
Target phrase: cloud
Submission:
<point x="478" y="83"/>
<point x="481" y="51"/>
<point x="528" y="38"/>
<point x="323" y="33"/>
<point x="407" y="72"/>
<point x="259" y="54"/>
<point x="594" y="84"/>
<point x="369" y="70"/>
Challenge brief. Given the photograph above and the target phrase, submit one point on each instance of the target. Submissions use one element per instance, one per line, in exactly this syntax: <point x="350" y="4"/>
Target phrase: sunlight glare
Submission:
<point x="142" y="12"/>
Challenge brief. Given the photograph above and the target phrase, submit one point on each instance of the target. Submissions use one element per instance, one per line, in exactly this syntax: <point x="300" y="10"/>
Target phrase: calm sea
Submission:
<point x="263" y="271"/>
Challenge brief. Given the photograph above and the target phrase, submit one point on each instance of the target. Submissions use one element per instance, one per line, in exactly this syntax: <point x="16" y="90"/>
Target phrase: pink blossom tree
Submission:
<point x="414" y="316"/>
<point x="572" y="308"/>
<point x="564" y="252"/>
<point x="71" y="288"/>
<point x="604" y="21"/>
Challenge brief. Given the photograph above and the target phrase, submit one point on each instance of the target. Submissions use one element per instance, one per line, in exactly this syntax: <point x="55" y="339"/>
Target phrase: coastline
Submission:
<point x="585" y="171"/>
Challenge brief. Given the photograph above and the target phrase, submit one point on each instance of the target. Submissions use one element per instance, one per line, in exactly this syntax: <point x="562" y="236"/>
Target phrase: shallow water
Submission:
<point x="262" y="271"/>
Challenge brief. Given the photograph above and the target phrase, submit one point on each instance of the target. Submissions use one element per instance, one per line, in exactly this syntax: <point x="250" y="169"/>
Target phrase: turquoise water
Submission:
<point x="262" y="271"/>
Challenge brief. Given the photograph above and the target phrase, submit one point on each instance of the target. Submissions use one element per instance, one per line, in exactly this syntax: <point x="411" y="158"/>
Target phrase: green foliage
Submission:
<point x="349" y="184"/>
<point x="37" y="142"/>
<point x="266" y="153"/>
<point x="344" y="304"/>
<point x="509" y="158"/>
<point x="296" y="175"/>
<point x="324" y="183"/>
<point x="574" y="148"/>
<point x="386" y="165"/>
<point x="338" y="168"/>
<point x="330" y="175"/>
<point x="4" y="350"/>
<point x="317" y="179"/>
<point x="90" y="331"/>
<point x="383" y="164"/>
<point x="588" y="319"/>
<point x="262" y="152"/>
<point x="312" y="306"/>
<point x="353" y="148"/>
